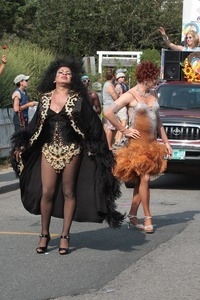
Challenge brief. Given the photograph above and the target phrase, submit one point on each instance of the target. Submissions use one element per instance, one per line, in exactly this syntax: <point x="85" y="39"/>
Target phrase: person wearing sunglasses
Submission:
<point x="21" y="102"/>
<point x="191" y="41"/>
<point x="93" y="96"/>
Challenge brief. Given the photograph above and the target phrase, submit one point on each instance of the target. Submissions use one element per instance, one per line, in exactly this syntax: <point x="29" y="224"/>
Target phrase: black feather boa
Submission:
<point x="95" y="148"/>
<point x="110" y="185"/>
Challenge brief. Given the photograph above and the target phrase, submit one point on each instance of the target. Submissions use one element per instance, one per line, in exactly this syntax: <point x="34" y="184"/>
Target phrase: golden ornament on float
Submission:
<point x="191" y="67"/>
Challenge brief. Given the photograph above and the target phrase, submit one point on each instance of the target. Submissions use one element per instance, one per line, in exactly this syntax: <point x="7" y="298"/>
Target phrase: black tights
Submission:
<point x="49" y="177"/>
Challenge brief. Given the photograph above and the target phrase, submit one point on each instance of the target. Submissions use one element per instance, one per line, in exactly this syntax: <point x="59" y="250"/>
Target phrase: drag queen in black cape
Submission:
<point x="62" y="158"/>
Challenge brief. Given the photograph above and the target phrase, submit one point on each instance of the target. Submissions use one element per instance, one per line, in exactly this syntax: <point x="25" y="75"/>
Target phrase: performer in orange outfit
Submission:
<point x="143" y="156"/>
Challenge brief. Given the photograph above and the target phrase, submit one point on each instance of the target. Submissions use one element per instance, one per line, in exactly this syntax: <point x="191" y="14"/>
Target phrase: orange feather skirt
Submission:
<point x="137" y="159"/>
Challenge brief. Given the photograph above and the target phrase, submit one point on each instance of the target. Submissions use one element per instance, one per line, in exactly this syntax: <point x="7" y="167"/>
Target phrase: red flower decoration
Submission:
<point x="4" y="47"/>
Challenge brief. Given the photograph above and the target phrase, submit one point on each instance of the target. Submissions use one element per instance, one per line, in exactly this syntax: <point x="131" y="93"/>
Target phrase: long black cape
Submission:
<point x="96" y="188"/>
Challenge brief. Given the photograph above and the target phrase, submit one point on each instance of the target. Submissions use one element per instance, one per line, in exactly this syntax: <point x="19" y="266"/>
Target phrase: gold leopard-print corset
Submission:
<point x="62" y="143"/>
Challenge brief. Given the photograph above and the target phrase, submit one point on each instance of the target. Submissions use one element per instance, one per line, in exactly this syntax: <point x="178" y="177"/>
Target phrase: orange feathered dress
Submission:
<point x="143" y="155"/>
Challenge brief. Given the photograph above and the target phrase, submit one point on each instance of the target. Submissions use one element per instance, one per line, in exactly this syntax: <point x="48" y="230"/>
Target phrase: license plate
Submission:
<point x="178" y="154"/>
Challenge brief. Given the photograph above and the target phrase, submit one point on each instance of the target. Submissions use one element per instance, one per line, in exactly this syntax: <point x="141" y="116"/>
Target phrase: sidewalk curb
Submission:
<point x="9" y="187"/>
<point x="8" y="181"/>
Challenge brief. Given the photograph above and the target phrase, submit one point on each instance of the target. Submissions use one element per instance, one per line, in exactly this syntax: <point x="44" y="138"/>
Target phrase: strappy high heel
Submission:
<point x="138" y="226"/>
<point x="148" y="228"/>
<point x="64" y="251"/>
<point x="42" y="250"/>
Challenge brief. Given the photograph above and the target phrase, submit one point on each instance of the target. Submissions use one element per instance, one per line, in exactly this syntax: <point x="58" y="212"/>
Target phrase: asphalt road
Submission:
<point x="104" y="263"/>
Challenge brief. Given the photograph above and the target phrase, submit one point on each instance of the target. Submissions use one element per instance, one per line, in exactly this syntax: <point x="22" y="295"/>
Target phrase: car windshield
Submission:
<point x="179" y="96"/>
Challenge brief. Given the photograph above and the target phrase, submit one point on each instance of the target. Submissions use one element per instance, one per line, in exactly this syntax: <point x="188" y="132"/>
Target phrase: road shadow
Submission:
<point x="128" y="240"/>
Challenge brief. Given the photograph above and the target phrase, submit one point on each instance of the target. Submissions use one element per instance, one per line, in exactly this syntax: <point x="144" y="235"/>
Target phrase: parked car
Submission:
<point x="180" y="113"/>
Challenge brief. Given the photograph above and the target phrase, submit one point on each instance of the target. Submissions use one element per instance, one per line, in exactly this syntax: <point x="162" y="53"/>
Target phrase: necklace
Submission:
<point x="142" y="94"/>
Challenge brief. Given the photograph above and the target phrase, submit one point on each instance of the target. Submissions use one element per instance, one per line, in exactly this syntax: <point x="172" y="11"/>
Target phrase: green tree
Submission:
<point x="9" y="14"/>
<point x="84" y="27"/>
<point x="80" y="28"/>
<point x="24" y="22"/>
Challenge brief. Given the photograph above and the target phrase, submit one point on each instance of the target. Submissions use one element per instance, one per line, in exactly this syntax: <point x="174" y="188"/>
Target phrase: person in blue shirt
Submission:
<point x="21" y="102"/>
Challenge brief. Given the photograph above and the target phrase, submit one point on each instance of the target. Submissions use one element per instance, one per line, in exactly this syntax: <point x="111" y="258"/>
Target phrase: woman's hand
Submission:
<point x="131" y="132"/>
<point x="162" y="31"/>
<point x="169" y="150"/>
<point x="4" y="59"/>
<point x="32" y="104"/>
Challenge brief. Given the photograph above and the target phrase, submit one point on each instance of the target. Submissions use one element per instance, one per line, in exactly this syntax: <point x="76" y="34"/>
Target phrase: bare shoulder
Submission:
<point x="93" y="94"/>
<point x="132" y="97"/>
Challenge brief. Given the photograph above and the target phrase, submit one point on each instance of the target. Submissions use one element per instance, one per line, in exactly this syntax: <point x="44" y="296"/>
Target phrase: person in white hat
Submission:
<point x="21" y="102"/>
<point x="121" y="71"/>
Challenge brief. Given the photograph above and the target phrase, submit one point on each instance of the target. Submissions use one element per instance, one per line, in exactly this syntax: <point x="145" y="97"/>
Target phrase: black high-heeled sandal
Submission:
<point x="64" y="250"/>
<point x="42" y="250"/>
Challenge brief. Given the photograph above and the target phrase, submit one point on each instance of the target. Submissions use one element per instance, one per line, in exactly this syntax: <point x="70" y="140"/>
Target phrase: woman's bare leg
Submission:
<point x="46" y="205"/>
<point x="136" y="200"/>
<point x="69" y="178"/>
<point x="144" y="192"/>
<point x="141" y="195"/>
